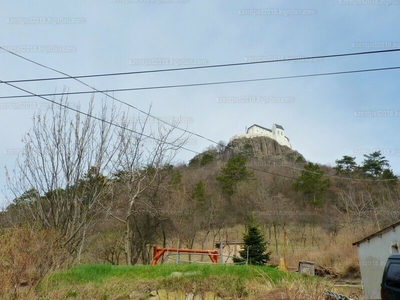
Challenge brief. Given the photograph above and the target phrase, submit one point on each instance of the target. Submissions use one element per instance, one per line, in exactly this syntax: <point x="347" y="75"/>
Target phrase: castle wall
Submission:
<point x="285" y="142"/>
<point x="260" y="131"/>
<point x="279" y="135"/>
<point x="276" y="134"/>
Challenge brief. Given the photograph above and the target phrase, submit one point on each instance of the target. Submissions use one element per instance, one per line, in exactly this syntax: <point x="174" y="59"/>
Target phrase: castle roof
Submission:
<point x="255" y="125"/>
<point x="276" y="125"/>
<point x="265" y="132"/>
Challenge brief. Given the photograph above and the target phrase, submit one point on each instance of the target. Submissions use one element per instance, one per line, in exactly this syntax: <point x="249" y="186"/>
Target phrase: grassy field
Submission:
<point x="237" y="282"/>
<point x="96" y="281"/>
<point x="107" y="282"/>
<point x="136" y="282"/>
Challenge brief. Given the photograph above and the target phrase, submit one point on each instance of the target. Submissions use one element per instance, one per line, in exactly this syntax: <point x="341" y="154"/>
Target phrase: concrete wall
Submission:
<point x="372" y="255"/>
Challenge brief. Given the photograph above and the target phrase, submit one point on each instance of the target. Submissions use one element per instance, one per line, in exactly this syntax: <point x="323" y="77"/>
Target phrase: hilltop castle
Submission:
<point x="277" y="133"/>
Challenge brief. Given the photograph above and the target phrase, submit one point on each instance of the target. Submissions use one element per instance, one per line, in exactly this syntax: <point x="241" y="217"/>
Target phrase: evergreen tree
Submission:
<point x="312" y="183"/>
<point x="346" y="166"/>
<point x="234" y="171"/>
<point x="254" y="250"/>
<point x="199" y="192"/>
<point x="206" y="159"/>
<point x="387" y="174"/>
<point x="176" y="180"/>
<point x="374" y="164"/>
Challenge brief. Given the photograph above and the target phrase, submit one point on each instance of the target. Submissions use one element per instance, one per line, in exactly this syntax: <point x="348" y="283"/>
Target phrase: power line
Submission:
<point x="271" y="173"/>
<point x="189" y="85"/>
<point x="199" y="84"/>
<point x="204" y="83"/>
<point x="196" y="152"/>
<point x="195" y="67"/>
<point x="341" y="177"/>
<point x="323" y="174"/>
<point x="102" y="92"/>
<point x="97" y="118"/>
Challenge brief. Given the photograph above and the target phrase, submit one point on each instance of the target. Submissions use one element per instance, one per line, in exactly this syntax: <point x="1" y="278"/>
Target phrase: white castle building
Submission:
<point x="277" y="133"/>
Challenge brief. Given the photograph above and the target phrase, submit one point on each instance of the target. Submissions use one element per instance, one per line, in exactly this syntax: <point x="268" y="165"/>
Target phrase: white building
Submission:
<point x="277" y="133"/>
<point x="373" y="251"/>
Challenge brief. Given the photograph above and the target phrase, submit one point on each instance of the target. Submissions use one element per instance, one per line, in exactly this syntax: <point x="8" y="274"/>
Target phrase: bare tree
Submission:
<point x="57" y="181"/>
<point x="143" y="152"/>
<point x="62" y="180"/>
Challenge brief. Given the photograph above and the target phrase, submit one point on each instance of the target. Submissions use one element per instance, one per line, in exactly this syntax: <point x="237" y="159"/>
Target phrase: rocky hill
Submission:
<point x="263" y="149"/>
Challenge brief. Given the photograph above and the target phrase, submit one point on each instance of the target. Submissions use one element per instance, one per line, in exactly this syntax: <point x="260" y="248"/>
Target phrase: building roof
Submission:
<point x="276" y="125"/>
<point x="379" y="233"/>
<point x="259" y="126"/>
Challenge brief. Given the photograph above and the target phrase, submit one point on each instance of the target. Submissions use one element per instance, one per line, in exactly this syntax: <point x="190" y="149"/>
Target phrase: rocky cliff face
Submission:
<point x="262" y="148"/>
<point x="256" y="149"/>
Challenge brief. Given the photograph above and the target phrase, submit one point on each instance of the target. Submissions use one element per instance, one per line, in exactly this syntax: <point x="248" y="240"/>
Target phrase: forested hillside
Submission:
<point x="90" y="193"/>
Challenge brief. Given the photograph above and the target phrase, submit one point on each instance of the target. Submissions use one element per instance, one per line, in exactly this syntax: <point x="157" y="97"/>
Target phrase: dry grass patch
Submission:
<point x="26" y="257"/>
<point x="306" y="288"/>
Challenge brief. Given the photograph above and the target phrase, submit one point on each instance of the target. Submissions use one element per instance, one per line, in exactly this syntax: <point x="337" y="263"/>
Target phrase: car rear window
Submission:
<point x="393" y="275"/>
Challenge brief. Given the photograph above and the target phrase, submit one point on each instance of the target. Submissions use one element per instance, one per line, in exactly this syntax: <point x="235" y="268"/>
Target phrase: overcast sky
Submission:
<point x="324" y="117"/>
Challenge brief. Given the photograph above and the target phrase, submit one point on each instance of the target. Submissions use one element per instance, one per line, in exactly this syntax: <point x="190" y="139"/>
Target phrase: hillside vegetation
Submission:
<point x="90" y="194"/>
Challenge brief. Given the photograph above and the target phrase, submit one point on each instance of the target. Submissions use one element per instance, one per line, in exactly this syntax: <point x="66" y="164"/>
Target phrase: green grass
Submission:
<point x="102" y="281"/>
<point x="99" y="273"/>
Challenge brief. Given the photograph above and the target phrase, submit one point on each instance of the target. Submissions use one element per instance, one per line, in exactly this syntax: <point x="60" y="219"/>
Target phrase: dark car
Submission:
<point x="390" y="287"/>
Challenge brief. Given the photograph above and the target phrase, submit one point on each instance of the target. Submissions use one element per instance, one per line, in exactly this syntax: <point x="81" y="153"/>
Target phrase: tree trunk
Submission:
<point x="128" y="242"/>
<point x="276" y="239"/>
<point x="82" y="242"/>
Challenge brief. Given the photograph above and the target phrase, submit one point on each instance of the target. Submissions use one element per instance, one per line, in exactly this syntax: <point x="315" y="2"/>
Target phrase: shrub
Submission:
<point x="26" y="257"/>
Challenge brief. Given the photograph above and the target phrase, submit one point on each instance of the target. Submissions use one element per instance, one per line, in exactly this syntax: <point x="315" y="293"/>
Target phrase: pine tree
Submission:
<point x="254" y="250"/>
<point x="232" y="173"/>
<point x="346" y="166"/>
<point x="312" y="183"/>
